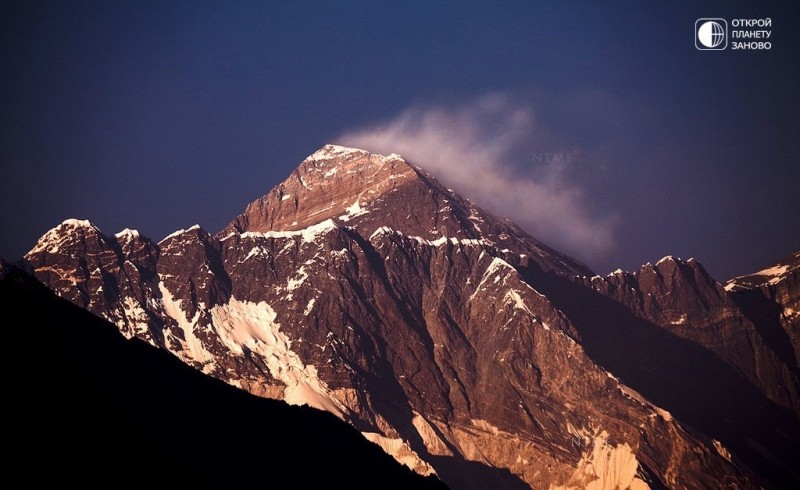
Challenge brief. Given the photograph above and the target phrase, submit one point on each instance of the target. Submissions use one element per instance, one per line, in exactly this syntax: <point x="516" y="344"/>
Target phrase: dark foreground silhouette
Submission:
<point x="87" y="406"/>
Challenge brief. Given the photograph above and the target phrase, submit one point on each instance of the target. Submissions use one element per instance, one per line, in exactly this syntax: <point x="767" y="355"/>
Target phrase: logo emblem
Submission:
<point x="711" y="34"/>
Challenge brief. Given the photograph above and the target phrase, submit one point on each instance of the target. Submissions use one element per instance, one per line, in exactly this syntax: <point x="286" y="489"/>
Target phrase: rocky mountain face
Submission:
<point x="695" y="348"/>
<point x="682" y="298"/>
<point x="461" y="345"/>
<point x="771" y="299"/>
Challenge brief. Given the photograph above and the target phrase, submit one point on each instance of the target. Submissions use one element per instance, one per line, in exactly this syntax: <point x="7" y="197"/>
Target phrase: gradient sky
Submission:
<point x="159" y="115"/>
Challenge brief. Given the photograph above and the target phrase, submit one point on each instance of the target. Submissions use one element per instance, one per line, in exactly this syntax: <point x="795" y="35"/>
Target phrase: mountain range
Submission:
<point x="454" y="340"/>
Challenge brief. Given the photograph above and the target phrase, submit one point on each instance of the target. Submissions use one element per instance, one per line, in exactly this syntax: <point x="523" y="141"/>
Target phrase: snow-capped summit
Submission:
<point x="127" y="234"/>
<point x="668" y="258"/>
<point x="194" y="228"/>
<point x="333" y="152"/>
<point x="454" y="340"/>
<point x="67" y="230"/>
<point x="770" y="275"/>
<point x="366" y="191"/>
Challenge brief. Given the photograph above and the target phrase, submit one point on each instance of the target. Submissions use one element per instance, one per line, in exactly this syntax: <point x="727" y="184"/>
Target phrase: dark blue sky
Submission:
<point x="159" y="115"/>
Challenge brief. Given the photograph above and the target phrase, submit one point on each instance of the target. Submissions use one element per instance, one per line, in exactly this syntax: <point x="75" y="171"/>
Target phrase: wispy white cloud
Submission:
<point x="492" y="151"/>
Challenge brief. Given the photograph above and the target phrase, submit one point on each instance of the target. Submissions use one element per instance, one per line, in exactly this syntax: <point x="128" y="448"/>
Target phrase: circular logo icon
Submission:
<point x="711" y="34"/>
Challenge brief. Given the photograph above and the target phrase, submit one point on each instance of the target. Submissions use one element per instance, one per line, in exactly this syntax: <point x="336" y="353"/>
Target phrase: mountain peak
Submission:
<point x="194" y="229"/>
<point x="77" y="223"/>
<point x="668" y="258"/>
<point x="351" y="170"/>
<point x="367" y="192"/>
<point x="770" y="275"/>
<point x="331" y="151"/>
<point x="64" y="232"/>
<point x="127" y="234"/>
<point x="334" y="182"/>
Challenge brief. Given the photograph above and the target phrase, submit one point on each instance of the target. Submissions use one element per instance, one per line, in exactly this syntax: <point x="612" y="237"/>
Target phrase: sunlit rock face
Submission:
<point x="450" y="337"/>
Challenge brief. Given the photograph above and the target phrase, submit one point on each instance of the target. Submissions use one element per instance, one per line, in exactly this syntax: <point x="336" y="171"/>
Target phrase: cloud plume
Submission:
<point x="492" y="151"/>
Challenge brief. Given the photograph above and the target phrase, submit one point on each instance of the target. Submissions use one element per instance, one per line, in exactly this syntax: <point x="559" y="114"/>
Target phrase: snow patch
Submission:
<point x="733" y="285"/>
<point x="191" y="344"/>
<point x="63" y="275"/>
<point x="343" y="253"/>
<point x="138" y="320"/>
<point x="668" y="258"/>
<point x="127" y="233"/>
<point x="178" y="233"/>
<point x="254" y="252"/>
<point x="308" y="235"/>
<point x="300" y="278"/>
<point x="775" y="271"/>
<point x="605" y="467"/>
<point x="512" y="296"/>
<point x="773" y="275"/>
<point x="494" y="266"/>
<point x="353" y="211"/>
<point x="721" y="450"/>
<point x="385" y="230"/>
<point x="330" y="151"/>
<point x="244" y="324"/>
<point x="51" y="240"/>
<point x="399" y="450"/>
<point x="679" y="321"/>
<point x="77" y="223"/>
<point x="309" y="307"/>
